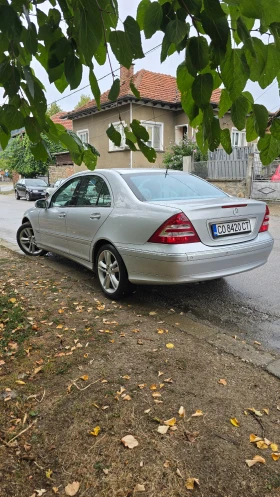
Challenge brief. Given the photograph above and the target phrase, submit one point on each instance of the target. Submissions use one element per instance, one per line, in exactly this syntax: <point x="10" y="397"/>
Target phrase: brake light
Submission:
<point x="265" y="223"/>
<point x="177" y="229"/>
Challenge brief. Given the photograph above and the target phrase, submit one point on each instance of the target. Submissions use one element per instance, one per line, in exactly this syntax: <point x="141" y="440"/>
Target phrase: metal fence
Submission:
<point x="220" y="169"/>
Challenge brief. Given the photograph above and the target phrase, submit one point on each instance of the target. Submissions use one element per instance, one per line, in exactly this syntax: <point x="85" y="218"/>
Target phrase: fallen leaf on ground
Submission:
<point x="59" y="326"/>
<point x="169" y="346"/>
<point x="84" y="377"/>
<point x="142" y="385"/>
<point x="147" y="411"/>
<point x="235" y="422"/>
<point x="222" y="381"/>
<point x="191" y="482"/>
<point x="191" y="436"/>
<point x="13" y="300"/>
<point x="160" y="373"/>
<point x="162" y="429"/>
<point x="275" y="456"/>
<point x="122" y="389"/>
<point x="178" y="472"/>
<point x="261" y="445"/>
<point x="197" y="413"/>
<point x="55" y="490"/>
<point x="274" y="447"/>
<point x="139" y="488"/>
<point x="40" y="492"/>
<point x="129" y="441"/>
<point x="2" y="362"/>
<point x="182" y="412"/>
<point x="266" y="411"/>
<point x="72" y="488"/>
<point x="255" y="460"/>
<point x="166" y="464"/>
<point x="153" y="387"/>
<point x="105" y="471"/>
<point x="156" y="394"/>
<point x="20" y="382"/>
<point x="95" y="431"/>
<point x="255" y="411"/>
<point x="126" y="377"/>
<point x="168" y="380"/>
<point x="152" y="313"/>
<point x="127" y="397"/>
<point x="48" y="473"/>
<point x="170" y="422"/>
<point x="254" y="438"/>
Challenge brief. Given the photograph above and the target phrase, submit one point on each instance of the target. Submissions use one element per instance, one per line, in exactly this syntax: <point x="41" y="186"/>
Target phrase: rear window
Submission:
<point x="170" y="186"/>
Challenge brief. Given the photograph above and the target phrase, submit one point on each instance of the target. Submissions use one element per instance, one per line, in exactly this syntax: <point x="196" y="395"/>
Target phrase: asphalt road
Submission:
<point x="246" y="305"/>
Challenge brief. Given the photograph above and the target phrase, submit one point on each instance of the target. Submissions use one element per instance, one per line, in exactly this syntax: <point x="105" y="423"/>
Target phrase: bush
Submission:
<point x="173" y="158"/>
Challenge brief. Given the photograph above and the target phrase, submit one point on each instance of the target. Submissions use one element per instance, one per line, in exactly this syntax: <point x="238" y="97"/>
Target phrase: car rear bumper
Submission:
<point x="198" y="263"/>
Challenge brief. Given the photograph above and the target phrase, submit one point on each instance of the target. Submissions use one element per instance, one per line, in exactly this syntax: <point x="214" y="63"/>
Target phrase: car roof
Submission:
<point x="130" y="170"/>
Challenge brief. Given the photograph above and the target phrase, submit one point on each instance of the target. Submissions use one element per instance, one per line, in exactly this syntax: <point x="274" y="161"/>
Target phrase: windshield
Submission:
<point x="154" y="186"/>
<point x="35" y="182"/>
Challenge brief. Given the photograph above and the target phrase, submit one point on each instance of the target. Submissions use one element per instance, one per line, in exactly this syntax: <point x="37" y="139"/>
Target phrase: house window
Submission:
<point x="83" y="135"/>
<point x="155" y="131"/>
<point x="119" y="126"/>
<point x="238" y="138"/>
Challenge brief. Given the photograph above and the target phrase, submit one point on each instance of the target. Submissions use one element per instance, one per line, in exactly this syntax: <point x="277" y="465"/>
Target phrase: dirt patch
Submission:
<point x="71" y="361"/>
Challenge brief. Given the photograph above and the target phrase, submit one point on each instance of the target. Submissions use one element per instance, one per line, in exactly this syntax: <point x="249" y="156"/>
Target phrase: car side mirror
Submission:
<point x="41" y="204"/>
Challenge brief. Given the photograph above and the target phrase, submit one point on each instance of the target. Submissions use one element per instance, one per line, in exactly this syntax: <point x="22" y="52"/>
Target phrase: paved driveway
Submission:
<point x="247" y="305"/>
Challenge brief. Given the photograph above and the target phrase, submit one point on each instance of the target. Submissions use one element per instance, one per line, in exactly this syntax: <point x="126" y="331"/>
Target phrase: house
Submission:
<point x="158" y="109"/>
<point x="64" y="166"/>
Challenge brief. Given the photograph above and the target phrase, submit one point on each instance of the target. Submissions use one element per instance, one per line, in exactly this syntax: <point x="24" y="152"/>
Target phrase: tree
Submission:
<point x="222" y="43"/>
<point x="54" y="108"/>
<point x="19" y="156"/>
<point x="173" y="158"/>
<point x="84" y="99"/>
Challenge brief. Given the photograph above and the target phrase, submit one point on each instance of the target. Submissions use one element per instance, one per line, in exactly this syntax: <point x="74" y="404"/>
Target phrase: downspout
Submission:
<point x="131" y="153"/>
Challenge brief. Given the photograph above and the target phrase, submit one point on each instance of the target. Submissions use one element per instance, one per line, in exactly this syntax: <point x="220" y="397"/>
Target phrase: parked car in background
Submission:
<point x="54" y="187"/>
<point x="148" y="226"/>
<point x="30" y="189"/>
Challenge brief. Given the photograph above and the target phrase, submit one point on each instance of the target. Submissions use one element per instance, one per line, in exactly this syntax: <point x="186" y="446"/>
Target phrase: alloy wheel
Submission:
<point x="108" y="271"/>
<point x="28" y="242"/>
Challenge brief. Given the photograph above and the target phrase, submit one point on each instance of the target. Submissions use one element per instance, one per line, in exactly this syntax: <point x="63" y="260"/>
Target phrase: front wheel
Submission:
<point x="27" y="196"/>
<point x="112" y="273"/>
<point x="26" y="241"/>
<point x="16" y="195"/>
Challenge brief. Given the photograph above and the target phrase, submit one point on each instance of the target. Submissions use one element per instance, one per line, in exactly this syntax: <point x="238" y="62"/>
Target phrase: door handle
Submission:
<point x="62" y="214"/>
<point x="96" y="215"/>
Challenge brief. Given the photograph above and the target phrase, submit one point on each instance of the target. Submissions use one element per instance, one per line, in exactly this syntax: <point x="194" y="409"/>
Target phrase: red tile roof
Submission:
<point x="58" y="119"/>
<point x="152" y="86"/>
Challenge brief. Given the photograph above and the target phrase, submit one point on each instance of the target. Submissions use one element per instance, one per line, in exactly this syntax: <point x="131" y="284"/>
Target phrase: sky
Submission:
<point x="67" y="101"/>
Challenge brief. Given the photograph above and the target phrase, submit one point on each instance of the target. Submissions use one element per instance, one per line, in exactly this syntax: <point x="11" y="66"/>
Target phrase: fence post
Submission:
<point x="249" y="176"/>
<point x="187" y="164"/>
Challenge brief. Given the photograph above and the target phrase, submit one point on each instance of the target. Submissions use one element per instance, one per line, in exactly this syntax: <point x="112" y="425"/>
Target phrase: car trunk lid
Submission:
<point x="204" y="213"/>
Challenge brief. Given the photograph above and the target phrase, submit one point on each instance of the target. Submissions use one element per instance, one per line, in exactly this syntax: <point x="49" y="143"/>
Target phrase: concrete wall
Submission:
<point x="236" y="188"/>
<point x="266" y="190"/>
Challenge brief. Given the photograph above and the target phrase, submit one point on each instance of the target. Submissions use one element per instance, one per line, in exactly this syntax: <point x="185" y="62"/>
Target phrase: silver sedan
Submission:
<point x="148" y="226"/>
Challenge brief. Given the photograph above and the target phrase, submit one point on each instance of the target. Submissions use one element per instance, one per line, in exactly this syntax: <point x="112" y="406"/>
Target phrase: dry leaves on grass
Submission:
<point x="129" y="441"/>
<point x="275" y="456"/>
<point x="222" y="381"/>
<point x="139" y="488"/>
<point x="162" y="429"/>
<point x="197" y="413"/>
<point x="254" y="438"/>
<point x="191" y="482"/>
<point x="255" y="460"/>
<point x="95" y="432"/>
<point x="235" y="422"/>
<point x="169" y="346"/>
<point x="72" y="488"/>
<point x="170" y="422"/>
<point x="182" y="412"/>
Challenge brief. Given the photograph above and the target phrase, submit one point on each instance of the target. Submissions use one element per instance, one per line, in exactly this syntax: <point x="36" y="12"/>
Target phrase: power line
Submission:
<point x="102" y="77"/>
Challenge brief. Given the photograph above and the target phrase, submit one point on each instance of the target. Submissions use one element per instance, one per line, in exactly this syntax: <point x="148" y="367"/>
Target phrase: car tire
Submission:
<point x="26" y="241"/>
<point x="27" y="196"/>
<point x="111" y="273"/>
<point x="17" y="195"/>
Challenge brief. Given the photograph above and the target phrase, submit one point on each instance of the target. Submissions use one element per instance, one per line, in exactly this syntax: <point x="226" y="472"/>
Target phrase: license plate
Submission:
<point x="35" y="191"/>
<point x="231" y="228"/>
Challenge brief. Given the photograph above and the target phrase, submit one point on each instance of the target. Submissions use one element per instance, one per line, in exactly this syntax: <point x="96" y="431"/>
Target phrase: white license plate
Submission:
<point x="35" y="191"/>
<point x="231" y="228"/>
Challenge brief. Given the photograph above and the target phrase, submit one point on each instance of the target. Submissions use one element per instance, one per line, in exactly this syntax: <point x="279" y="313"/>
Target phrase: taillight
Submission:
<point x="265" y="223"/>
<point x="177" y="229"/>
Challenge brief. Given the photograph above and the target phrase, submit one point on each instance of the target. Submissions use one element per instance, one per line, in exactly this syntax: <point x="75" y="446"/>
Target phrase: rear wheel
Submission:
<point x="112" y="273"/>
<point x="26" y="241"/>
<point x="16" y="195"/>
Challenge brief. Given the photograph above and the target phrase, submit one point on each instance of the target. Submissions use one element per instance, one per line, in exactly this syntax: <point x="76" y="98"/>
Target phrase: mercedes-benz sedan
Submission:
<point x="148" y="226"/>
